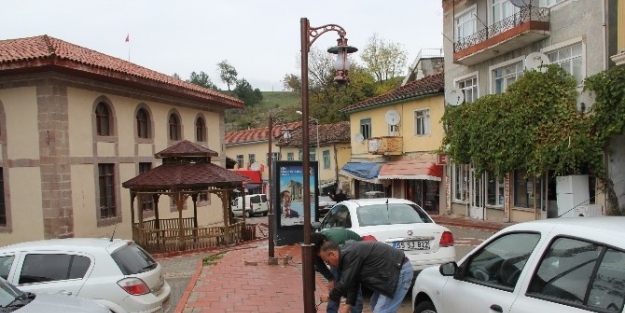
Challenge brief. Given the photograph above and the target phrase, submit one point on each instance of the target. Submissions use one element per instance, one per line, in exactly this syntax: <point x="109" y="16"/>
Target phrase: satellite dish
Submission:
<point x="520" y="3"/>
<point x="454" y="96"/>
<point x="358" y="137"/>
<point x="536" y="61"/>
<point x="255" y="166"/>
<point x="392" y="117"/>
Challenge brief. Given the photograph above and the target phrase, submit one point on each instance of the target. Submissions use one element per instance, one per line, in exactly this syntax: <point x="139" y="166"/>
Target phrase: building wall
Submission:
<point x="570" y="22"/>
<point x="50" y="154"/>
<point x="621" y="26"/>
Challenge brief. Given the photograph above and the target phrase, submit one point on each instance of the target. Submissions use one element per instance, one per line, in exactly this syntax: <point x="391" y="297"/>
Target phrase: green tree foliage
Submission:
<point x="534" y="125"/>
<point x="201" y="79"/>
<point x="244" y="91"/>
<point x="385" y="60"/>
<point x="292" y="82"/>
<point x="227" y="73"/>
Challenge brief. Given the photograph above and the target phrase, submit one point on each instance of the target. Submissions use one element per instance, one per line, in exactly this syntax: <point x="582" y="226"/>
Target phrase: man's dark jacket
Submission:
<point x="373" y="264"/>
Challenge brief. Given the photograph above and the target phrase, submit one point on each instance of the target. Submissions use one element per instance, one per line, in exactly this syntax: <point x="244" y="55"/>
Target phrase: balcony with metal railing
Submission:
<point x="529" y="25"/>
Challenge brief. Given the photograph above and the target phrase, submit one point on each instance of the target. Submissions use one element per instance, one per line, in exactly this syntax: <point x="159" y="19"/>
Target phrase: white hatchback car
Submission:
<point x="556" y="265"/>
<point x="397" y="222"/>
<point x="116" y="273"/>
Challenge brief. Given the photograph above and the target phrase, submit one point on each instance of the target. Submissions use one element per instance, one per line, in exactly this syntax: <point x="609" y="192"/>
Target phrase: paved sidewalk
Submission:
<point x="242" y="281"/>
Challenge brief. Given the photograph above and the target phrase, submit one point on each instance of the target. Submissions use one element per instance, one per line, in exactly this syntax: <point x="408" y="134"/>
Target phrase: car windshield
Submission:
<point x="8" y="292"/>
<point x="131" y="260"/>
<point x="393" y="213"/>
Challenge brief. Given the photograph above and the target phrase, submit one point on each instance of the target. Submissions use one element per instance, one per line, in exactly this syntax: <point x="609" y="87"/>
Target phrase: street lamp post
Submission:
<point x="308" y="35"/>
<point x="317" y="123"/>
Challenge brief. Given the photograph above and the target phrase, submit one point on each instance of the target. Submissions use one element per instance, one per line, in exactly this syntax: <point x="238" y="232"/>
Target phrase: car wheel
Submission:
<point x="250" y="213"/>
<point x="425" y="307"/>
<point x="265" y="213"/>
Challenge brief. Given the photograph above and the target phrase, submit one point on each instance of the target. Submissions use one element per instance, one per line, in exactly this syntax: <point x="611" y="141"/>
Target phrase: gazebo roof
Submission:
<point x="186" y="148"/>
<point x="185" y="176"/>
<point x="186" y="165"/>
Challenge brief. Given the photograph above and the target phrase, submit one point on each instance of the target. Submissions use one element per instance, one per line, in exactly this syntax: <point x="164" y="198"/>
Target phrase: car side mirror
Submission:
<point x="315" y="225"/>
<point x="448" y="269"/>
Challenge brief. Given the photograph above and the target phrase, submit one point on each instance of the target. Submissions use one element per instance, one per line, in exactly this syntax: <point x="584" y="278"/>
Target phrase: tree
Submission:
<point x="201" y="79"/>
<point x="227" y="73"/>
<point x="291" y="82"/>
<point x="383" y="59"/>
<point x="246" y="93"/>
<point x="176" y="76"/>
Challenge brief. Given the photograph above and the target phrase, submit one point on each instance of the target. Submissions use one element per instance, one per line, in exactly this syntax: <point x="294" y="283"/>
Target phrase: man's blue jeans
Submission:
<point x="383" y="304"/>
<point x="333" y="306"/>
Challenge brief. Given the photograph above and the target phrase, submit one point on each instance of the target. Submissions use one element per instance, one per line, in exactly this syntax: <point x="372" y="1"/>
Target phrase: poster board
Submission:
<point x="289" y="200"/>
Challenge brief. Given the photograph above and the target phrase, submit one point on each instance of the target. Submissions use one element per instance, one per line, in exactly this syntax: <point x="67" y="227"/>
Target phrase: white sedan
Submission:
<point x="557" y="265"/>
<point x="397" y="222"/>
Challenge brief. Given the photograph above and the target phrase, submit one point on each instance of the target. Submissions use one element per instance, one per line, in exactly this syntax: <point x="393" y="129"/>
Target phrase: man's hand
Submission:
<point x="330" y="285"/>
<point x="345" y="308"/>
<point x="324" y="298"/>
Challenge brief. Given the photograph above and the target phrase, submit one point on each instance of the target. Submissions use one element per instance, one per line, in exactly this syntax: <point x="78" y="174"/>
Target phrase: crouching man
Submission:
<point x="375" y="265"/>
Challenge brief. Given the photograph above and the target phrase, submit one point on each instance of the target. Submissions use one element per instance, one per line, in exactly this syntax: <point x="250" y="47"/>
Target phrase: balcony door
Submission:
<point x="502" y="15"/>
<point x="477" y="206"/>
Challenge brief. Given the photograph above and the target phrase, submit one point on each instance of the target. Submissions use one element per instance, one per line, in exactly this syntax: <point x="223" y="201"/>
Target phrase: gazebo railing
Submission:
<point x="167" y="237"/>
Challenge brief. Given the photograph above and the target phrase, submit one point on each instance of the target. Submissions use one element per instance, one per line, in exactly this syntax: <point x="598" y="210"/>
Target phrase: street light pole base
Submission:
<point x="308" y="275"/>
<point x="272" y="261"/>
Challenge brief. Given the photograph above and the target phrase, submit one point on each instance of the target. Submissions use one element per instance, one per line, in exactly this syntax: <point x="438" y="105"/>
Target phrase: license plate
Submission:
<point x="412" y="245"/>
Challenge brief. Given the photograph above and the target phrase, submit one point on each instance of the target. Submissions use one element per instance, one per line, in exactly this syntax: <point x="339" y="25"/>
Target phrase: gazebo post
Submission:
<point x="133" y="195"/>
<point x="194" y="198"/>
<point x="140" y="213"/>
<point x="157" y="223"/>
<point x="179" y="206"/>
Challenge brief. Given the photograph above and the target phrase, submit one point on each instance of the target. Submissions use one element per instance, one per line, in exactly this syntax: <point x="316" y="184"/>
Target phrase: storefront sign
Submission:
<point x="441" y="159"/>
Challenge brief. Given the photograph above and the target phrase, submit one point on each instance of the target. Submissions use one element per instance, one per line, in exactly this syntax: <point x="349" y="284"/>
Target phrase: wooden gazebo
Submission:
<point x="186" y="172"/>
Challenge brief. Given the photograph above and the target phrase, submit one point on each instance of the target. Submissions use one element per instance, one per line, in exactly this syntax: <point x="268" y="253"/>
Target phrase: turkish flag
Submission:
<point x="128" y="38"/>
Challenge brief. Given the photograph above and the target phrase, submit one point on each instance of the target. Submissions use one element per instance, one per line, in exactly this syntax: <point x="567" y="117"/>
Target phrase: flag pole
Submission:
<point x="128" y="42"/>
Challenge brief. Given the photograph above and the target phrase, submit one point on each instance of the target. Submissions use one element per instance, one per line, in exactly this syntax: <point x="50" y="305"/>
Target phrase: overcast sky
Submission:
<point x="260" y="38"/>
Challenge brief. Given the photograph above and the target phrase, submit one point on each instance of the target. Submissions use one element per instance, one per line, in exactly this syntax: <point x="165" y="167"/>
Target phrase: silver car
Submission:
<point x="14" y="300"/>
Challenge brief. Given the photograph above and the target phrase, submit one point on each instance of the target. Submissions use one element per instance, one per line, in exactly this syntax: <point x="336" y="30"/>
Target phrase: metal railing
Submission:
<point x="526" y="14"/>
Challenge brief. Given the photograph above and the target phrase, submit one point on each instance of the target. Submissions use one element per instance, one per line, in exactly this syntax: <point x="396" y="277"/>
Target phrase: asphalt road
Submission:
<point x="180" y="269"/>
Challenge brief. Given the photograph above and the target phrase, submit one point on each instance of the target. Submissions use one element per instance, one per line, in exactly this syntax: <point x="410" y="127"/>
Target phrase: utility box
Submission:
<point x="571" y="192"/>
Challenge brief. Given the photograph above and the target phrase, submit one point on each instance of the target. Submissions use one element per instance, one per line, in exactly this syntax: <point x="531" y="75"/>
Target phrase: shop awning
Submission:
<point x="411" y="169"/>
<point x="365" y="171"/>
<point x="255" y="176"/>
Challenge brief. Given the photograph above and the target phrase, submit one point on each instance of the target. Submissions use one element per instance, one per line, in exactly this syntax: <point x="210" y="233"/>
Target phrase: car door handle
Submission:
<point x="65" y="293"/>
<point x="496" y="308"/>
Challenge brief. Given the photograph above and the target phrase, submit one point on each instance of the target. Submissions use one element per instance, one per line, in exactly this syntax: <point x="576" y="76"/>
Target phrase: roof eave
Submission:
<point x="399" y="101"/>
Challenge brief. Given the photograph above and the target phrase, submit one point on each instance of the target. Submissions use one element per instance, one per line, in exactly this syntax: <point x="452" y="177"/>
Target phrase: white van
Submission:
<point x="256" y="204"/>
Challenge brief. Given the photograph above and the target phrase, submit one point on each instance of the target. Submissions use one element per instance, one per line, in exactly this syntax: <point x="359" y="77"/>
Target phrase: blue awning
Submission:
<point x="366" y="171"/>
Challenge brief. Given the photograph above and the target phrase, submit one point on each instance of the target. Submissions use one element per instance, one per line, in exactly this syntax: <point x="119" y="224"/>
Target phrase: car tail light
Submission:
<point x="368" y="238"/>
<point x="134" y="286"/>
<point x="447" y="239"/>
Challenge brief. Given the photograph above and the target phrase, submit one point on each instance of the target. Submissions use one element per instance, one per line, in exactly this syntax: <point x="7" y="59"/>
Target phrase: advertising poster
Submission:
<point x="289" y="195"/>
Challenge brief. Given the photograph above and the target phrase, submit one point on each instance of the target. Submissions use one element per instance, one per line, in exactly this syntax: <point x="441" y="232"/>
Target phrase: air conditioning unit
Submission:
<point x="588" y="210"/>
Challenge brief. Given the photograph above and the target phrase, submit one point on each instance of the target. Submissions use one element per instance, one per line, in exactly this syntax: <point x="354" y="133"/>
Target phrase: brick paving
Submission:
<point x="242" y="281"/>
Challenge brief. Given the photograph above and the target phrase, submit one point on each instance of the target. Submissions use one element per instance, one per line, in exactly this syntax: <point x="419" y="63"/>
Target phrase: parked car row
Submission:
<point x="117" y="274"/>
<point x="556" y="265"/>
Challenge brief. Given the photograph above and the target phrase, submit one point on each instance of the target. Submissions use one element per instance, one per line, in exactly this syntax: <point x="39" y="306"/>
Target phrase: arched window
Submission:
<point x="200" y="130"/>
<point x="103" y="119"/>
<point x="143" y="124"/>
<point x="174" y="127"/>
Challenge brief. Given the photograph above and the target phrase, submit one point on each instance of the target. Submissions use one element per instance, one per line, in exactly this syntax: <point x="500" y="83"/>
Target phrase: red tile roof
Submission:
<point x="185" y="175"/>
<point x="429" y="85"/>
<point x="328" y="133"/>
<point x="24" y="54"/>
<point x="257" y="134"/>
<point x="186" y="148"/>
